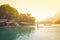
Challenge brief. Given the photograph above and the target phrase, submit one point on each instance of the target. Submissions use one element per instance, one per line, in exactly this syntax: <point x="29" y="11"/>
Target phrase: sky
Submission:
<point x="41" y="9"/>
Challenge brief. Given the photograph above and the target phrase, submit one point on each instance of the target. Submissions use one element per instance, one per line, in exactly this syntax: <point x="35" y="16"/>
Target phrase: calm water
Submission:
<point x="26" y="33"/>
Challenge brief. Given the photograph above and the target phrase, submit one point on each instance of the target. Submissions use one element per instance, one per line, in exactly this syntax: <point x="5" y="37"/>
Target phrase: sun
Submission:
<point x="40" y="9"/>
<point x="38" y="15"/>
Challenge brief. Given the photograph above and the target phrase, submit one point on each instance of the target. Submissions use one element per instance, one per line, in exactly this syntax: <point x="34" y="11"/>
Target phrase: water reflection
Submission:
<point x="7" y="34"/>
<point x="43" y="34"/>
<point x="57" y="33"/>
<point x="15" y="33"/>
<point x="30" y="34"/>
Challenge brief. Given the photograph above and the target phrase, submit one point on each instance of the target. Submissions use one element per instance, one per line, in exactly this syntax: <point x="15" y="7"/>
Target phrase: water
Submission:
<point x="27" y="33"/>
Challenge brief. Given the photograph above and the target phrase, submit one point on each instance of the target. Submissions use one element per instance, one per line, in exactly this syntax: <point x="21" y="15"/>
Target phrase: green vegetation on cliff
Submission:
<point x="8" y="12"/>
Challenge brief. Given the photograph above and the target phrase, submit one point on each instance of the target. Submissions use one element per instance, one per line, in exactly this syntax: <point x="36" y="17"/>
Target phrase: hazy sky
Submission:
<point x="41" y="9"/>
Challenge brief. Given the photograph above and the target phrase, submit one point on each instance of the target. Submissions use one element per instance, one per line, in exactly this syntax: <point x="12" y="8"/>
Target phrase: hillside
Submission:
<point x="52" y="20"/>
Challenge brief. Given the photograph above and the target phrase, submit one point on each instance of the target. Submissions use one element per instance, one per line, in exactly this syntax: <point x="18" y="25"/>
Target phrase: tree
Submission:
<point x="23" y="17"/>
<point x="8" y="12"/>
<point x="26" y="18"/>
<point x="29" y="15"/>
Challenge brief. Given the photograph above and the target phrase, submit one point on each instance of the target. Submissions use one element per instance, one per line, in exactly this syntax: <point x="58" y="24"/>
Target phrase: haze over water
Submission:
<point x="30" y="34"/>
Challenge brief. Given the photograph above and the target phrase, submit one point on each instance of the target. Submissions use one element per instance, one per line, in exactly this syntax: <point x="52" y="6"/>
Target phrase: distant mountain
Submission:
<point x="53" y="20"/>
<point x="57" y="22"/>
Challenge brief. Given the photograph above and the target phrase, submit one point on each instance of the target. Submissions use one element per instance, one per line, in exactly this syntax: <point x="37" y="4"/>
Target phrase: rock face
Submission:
<point x="14" y="24"/>
<point x="5" y="22"/>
